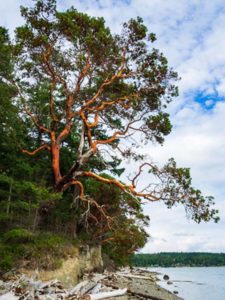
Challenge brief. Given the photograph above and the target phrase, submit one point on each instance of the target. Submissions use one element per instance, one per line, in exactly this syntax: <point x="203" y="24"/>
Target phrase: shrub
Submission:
<point x="6" y="262"/>
<point x="18" y="235"/>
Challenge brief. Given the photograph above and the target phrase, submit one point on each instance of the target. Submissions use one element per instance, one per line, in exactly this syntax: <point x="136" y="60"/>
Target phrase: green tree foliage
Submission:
<point x="76" y="80"/>
<point x="23" y="183"/>
<point x="70" y="91"/>
<point x="28" y="206"/>
<point x="123" y="232"/>
<point x="173" y="259"/>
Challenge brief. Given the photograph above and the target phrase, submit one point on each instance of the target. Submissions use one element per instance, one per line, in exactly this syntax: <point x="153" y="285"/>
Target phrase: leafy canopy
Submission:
<point x="78" y="83"/>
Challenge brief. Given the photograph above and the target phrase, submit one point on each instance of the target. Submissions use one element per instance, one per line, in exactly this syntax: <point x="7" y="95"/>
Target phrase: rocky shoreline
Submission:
<point x="124" y="284"/>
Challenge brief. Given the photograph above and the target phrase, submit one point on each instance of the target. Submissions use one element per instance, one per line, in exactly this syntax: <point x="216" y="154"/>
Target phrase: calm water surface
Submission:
<point x="195" y="283"/>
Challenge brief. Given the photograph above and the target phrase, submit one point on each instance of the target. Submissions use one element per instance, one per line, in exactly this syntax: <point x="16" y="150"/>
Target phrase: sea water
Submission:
<point x="194" y="283"/>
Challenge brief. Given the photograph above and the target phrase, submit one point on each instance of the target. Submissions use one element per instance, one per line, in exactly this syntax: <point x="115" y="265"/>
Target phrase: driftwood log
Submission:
<point x="105" y="295"/>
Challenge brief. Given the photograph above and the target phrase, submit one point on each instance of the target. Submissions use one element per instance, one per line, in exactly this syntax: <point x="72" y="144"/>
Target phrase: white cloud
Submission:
<point x="10" y="13"/>
<point x="197" y="142"/>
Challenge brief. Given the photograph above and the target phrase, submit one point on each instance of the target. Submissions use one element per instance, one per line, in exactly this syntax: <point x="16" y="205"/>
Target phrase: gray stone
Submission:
<point x="166" y="277"/>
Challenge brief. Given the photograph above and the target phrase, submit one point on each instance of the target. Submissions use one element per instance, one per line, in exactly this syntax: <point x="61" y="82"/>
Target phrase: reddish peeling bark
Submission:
<point x="55" y="152"/>
<point x="88" y="114"/>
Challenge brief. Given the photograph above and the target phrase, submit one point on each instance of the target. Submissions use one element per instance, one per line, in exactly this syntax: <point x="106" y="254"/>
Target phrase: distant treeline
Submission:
<point x="170" y="259"/>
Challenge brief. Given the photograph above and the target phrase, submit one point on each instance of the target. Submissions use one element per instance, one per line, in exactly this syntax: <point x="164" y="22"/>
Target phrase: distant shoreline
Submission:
<point x="179" y="259"/>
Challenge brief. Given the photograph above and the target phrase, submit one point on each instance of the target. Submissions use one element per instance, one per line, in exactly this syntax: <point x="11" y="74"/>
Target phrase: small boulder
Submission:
<point x="175" y="292"/>
<point x="166" y="277"/>
<point x="169" y="282"/>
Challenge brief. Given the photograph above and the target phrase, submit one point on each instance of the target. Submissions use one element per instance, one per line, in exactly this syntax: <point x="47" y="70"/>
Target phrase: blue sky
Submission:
<point x="191" y="35"/>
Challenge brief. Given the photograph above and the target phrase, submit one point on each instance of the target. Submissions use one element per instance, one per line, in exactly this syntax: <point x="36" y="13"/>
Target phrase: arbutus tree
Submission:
<point x="98" y="88"/>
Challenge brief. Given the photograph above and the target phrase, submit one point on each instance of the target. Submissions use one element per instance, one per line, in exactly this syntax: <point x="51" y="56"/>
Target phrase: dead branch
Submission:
<point x="90" y="201"/>
<point x="81" y="145"/>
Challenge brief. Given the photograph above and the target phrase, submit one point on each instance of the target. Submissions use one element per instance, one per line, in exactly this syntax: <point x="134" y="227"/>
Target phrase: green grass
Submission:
<point x="41" y="250"/>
